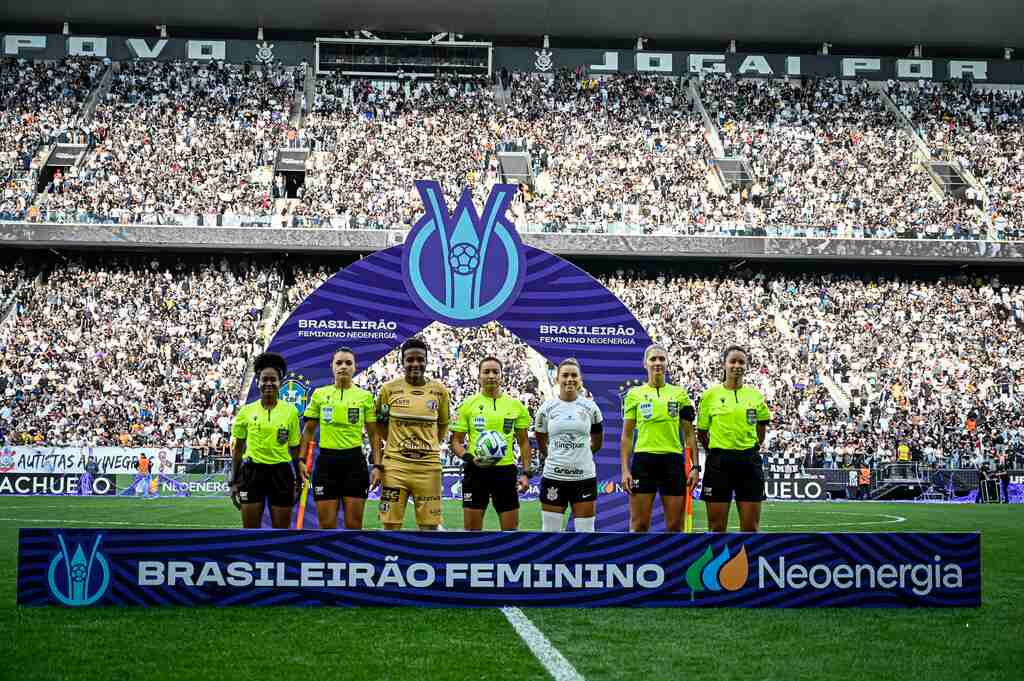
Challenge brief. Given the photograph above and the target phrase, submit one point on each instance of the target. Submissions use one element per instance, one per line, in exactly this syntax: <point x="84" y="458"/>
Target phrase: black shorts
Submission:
<point x="565" y="492"/>
<point x="341" y="473"/>
<point x="730" y="471"/>
<point x="262" y="482"/>
<point x="482" y="485"/>
<point x="663" y="473"/>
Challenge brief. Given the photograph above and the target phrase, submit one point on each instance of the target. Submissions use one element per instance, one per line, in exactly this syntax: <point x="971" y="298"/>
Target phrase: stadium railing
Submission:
<point x="356" y="240"/>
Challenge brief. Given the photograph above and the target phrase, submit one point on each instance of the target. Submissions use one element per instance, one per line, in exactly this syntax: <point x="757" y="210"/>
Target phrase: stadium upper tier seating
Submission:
<point x="182" y="142"/>
<point x="851" y="366"/>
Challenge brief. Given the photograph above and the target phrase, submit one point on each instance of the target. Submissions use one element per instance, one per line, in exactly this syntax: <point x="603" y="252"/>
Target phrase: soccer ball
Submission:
<point x="490" y="449"/>
<point x="464" y="258"/>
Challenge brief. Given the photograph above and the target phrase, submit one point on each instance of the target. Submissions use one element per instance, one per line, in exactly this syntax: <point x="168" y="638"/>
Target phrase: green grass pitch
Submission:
<point x="427" y="644"/>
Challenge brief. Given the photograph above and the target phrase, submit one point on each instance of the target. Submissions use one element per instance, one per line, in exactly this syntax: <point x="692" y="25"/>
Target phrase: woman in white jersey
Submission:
<point x="569" y="432"/>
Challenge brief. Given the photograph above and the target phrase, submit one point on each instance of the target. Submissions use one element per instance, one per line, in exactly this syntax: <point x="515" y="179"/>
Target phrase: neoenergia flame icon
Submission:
<point x="721" y="573"/>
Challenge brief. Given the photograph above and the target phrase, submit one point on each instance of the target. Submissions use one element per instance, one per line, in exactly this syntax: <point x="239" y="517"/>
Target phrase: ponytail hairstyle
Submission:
<point x="725" y="355"/>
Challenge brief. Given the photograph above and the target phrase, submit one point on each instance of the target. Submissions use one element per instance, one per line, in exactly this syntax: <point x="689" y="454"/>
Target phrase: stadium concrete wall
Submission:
<point x="596" y="245"/>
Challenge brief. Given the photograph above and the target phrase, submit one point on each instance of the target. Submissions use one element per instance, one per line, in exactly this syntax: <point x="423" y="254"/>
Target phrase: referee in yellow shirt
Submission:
<point x="492" y="410"/>
<point x="732" y="420"/>
<point x="342" y="411"/>
<point x="266" y="468"/>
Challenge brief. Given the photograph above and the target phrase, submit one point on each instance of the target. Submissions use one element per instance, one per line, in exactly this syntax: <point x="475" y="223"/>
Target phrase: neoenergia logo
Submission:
<point x="463" y="269"/>
<point x="81" y="581"/>
<point x="722" y="573"/>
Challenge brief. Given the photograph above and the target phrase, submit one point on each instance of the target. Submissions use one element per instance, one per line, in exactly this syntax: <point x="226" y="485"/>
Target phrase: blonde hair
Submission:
<point x="654" y="346"/>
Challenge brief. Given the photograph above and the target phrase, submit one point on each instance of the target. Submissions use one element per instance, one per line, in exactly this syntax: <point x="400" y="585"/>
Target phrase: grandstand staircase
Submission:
<point x="539" y="368"/>
<point x="273" y="317"/>
<point x="949" y="178"/>
<point x="726" y="171"/>
<point x="838" y="395"/>
<point x="97" y="95"/>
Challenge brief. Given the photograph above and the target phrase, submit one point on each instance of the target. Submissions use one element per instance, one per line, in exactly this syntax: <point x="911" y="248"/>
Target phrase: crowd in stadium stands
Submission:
<point x="178" y="140"/>
<point x="981" y="129"/>
<point x="131" y="351"/>
<point x="371" y="143"/>
<point x="935" y="365"/>
<point x="625" y="150"/>
<point x="828" y="153"/>
<point x="40" y="103"/>
<point x="194" y="142"/>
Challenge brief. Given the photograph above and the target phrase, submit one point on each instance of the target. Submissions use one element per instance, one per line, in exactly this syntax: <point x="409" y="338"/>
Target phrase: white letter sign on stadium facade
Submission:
<point x="119" y="48"/>
<point x="754" y="65"/>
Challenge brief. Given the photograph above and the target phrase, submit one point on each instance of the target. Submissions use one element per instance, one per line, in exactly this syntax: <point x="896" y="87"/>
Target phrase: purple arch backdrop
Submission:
<point x="555" y="307"/>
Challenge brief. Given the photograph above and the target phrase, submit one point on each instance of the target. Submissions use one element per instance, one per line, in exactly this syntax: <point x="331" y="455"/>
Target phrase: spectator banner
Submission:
<point x="127" y="48"/>
<point x="467" y="269"/>
<point x="109" y="460"/>
<point x="160" y="485"/>
<point x="752" y="65"/>
<point x="291" y="161"/>
<point x="64" y="155"/>
<point x="357" y="568"/>
<point x="795" y="489"/>
<point x="63" y="484"/>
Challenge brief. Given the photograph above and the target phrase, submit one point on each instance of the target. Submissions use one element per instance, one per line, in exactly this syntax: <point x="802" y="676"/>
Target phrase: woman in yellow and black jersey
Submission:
<point x="342" y="411"/>
<point x="266" y="468"/>
<point x="732" y="420"/>
<point x="657" y="411"/>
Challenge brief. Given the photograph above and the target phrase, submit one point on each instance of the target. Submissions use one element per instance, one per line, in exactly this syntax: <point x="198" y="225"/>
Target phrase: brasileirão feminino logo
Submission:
<point x="464" y="268"/>
<point x="81" y="581"/>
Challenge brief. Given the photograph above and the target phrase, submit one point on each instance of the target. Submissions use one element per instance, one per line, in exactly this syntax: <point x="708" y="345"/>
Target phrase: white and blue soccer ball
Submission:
<point x="490" y="448"/>
<point x="464" y="258"/>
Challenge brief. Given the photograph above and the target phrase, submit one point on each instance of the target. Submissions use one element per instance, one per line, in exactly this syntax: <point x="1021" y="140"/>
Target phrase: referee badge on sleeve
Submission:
<point x="673" y="410"/>
<point x="353" y="416"/>
<point x="282" y="436"/>
<point x="751" y="416"/>
<point x="507" y="425"/>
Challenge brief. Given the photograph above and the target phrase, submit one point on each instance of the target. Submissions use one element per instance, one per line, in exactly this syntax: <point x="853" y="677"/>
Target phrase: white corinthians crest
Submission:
<point x="543" y="62"/>
<point x="264" y="53"/>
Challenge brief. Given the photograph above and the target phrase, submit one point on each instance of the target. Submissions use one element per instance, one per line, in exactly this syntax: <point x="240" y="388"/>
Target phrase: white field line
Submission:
<point x="554" y="662"/>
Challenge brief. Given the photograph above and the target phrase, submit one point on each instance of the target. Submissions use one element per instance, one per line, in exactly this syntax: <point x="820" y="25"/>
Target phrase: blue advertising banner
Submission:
<point x="467" y="268"/>
<point x="310" y="568"/>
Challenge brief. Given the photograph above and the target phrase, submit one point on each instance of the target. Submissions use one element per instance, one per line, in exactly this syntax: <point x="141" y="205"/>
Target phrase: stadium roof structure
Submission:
<point x="965" y="23"/>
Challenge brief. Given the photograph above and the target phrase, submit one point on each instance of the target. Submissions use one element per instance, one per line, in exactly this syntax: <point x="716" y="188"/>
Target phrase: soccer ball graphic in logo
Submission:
<point x="490" y="449"/>
<point x="464" y="258"/>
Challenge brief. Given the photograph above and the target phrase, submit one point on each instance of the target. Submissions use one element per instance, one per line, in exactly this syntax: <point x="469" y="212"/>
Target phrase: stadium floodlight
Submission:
<point x="67" y="29"/>
<point x="547" y="42"/>
<point x="1007" y="53"/>
<point x="163" y="30"/>
<point x="916" y="53"/>
<point x="259" y="33"/>
<point x="368" y="35"/>
<point x="438" y="37"/>
<point x="640" y="42"/>
<point x="825" y="47"/>
<point x="732" y="47"/>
